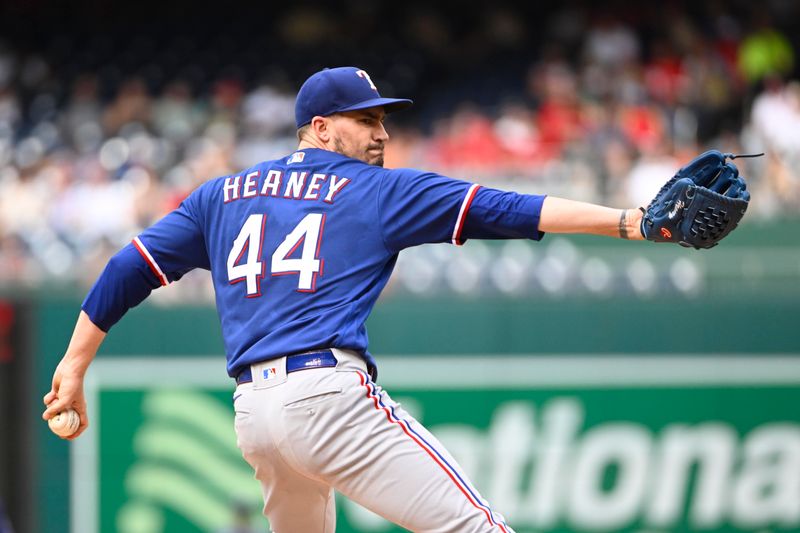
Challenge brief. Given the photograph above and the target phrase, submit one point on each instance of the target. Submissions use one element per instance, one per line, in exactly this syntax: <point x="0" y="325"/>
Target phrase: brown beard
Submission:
<point x="338" y="147"/>
<point x="379" y="161"/>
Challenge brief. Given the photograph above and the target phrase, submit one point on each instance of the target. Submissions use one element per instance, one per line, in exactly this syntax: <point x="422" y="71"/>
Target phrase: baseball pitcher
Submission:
<point x="299" y="249"/>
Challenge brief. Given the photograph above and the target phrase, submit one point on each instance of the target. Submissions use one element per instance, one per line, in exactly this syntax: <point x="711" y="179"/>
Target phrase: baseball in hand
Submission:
<point x="65" y="423"/>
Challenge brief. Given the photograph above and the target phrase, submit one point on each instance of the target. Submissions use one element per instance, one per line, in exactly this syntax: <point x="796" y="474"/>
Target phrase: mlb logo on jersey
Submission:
<point x="296" y="157"/>
<point x="269" y="373"/>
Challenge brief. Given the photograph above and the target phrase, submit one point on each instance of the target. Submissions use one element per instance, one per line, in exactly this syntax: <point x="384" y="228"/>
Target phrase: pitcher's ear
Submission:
<point x="320" y="127"/>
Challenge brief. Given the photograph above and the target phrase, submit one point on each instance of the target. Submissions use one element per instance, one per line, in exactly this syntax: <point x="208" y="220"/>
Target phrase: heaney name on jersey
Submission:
<point x="295" y="185"/>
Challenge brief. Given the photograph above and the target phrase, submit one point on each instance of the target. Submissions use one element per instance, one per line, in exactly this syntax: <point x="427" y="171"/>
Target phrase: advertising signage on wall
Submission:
<point x="557" y="444"/>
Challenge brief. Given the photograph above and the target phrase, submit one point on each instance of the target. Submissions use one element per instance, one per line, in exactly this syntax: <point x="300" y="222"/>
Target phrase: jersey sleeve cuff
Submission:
<point x="537" y="202"/>
<point x="124" y="283"/>
<point x="462" y="214"/>
<point x="148" y="258"/>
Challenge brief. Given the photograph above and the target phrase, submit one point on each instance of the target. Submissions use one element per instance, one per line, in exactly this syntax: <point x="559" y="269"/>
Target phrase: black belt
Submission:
<point x="297" y="362"/>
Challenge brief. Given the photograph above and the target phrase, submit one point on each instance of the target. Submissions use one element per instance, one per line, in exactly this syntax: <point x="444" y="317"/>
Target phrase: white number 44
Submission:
<point x="307" y="233"/>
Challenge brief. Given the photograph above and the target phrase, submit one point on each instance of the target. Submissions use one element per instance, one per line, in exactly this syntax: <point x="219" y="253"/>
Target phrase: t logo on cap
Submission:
<point x="363" y="74"/>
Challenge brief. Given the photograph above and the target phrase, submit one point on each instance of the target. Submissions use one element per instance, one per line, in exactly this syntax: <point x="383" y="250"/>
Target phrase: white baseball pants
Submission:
<point x="313" y="431"/>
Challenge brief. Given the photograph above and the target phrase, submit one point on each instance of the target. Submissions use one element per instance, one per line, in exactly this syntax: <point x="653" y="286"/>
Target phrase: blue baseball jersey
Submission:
<point x="300" y="248"/>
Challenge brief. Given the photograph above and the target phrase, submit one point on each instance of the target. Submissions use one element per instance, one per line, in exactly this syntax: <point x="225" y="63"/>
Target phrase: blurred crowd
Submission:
<point x="598" y="106"/>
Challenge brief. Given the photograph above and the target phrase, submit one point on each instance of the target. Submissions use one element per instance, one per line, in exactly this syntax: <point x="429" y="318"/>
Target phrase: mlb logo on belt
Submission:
<point x="270" y="373"/>
<point x="313" y="363"/>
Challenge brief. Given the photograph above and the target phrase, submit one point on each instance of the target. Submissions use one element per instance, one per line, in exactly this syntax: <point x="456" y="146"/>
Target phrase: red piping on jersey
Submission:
<point x="462" y="215"/>
<point x="139" y="245"/>
<point x="395" y="420"/>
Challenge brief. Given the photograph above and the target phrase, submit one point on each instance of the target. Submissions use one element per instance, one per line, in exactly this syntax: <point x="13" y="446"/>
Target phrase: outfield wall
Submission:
<point x="591" y="401"/>
<point x="662" y="411"/>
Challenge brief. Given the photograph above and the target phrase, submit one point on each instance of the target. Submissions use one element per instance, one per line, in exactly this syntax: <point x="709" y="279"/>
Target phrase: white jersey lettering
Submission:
<point x="272" y="183"/>
<point x="298" y="186"/>
<point x="295" y="185"/>
<point x="250" y="185"/>
<point x="337" y="184"/>
<point x="231" y="189"/>
<point x="312" y="193"/>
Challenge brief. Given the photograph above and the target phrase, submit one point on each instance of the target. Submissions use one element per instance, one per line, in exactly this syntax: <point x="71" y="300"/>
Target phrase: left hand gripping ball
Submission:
<point x="65" y="423"/>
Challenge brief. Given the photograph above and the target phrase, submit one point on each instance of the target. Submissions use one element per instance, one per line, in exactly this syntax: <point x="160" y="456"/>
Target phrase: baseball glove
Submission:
<point x="700" y="205"/>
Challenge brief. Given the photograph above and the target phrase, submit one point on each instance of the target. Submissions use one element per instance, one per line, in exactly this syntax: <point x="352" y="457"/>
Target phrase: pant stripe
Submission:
<point x="430" y="450"/>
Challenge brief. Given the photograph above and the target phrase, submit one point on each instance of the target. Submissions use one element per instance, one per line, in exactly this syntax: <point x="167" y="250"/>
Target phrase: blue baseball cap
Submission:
<point x="335" y="90"/>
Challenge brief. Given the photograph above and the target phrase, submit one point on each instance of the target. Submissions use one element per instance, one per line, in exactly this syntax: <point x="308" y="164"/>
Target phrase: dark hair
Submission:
<point x="301" y="131"/>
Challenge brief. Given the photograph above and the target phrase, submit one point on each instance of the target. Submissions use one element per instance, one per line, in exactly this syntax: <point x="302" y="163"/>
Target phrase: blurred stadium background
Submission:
<point x="587" y="384"/>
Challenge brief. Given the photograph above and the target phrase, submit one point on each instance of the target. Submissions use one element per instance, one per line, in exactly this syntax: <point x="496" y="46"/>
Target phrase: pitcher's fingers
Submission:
<point x="54" y="408"/>
<point x="49" y="397"/>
